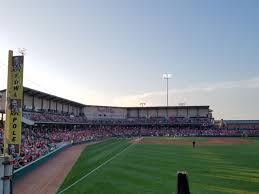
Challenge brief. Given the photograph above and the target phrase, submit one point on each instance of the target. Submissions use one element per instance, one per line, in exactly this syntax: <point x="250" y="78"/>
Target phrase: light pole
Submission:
<point x="142" y="104"/>
<point x="167" y="77"/>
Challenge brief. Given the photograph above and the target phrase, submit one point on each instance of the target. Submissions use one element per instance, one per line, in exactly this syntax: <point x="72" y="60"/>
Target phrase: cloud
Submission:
<point x="155" y="97"/>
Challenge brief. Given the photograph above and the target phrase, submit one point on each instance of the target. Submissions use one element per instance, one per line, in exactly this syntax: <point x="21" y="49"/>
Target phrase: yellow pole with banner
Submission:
<point x="13" y="108"/>
<point x="13" y="121"/>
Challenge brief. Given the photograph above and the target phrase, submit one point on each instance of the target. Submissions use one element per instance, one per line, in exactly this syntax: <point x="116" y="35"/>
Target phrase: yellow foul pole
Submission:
<point x="13" y="107"/>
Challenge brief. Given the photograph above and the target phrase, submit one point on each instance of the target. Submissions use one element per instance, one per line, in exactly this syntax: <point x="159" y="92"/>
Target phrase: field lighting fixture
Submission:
<point x="22" y="51"/>
<point x="167" y="77"/>
<point x="142" y="104"/>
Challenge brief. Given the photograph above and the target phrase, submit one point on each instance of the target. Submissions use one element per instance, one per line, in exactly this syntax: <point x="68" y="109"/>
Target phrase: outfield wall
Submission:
<point x="21" y="172"/>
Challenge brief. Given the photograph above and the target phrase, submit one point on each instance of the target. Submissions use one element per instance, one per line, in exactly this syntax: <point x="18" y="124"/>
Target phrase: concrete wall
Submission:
<point x="53" y="105"/>
<point x="172" y="112"/>
<point x="152" y="112"/>
<point x="132" y="113"/>
<point x="182" y="112"/>
<point x="45" y="104"/>
<point x="59" y="107"/>
<point x="27" y="101"/>
<point x="65" y="108"/>
<point x="162" y="112"/>
<point x="103" y="112"/>
<point x="37" y="103"/>
<point x="193" y="112"/>
<point x="203" y="112"/>
<point x="18" y="174"/>
<point x="187" y="111"/>
<point x="143" y="113"/>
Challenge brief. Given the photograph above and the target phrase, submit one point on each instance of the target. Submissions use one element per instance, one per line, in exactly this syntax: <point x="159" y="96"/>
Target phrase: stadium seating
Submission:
<point x="37" y="142"/>
<point x="50" y="117"/>
<point x="64" y="118"/>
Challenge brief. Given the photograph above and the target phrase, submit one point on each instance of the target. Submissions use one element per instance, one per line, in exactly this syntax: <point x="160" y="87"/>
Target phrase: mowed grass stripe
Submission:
<point x="112" y="177"/>
<point x="92" y="157"/>
<point x="152" y="169"/>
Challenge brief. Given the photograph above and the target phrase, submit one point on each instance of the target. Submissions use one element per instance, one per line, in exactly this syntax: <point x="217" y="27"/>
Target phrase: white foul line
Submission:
<point x="62" y="191"/>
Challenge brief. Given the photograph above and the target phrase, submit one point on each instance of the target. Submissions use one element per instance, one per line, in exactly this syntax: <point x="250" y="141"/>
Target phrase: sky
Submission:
<point x="114" y="52"/>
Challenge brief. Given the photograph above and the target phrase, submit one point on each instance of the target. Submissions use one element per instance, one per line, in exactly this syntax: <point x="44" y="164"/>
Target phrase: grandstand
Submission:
<point x="242" y="124"/>
<point x="42" y="108"/>
<point x="52" y="124"/>
<point x="237" y="124"/>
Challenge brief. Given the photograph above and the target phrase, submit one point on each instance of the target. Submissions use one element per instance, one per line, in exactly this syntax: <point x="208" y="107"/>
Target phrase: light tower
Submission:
<point x="167" y="77"/>
<point x="142" y="104"/>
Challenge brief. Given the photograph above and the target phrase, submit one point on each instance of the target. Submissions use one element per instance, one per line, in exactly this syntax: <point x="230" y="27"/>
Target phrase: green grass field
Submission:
<point x="146" y="169"/>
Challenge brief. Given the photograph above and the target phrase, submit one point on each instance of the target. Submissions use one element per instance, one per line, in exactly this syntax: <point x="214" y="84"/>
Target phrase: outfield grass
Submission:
<point x="146" y="169"/>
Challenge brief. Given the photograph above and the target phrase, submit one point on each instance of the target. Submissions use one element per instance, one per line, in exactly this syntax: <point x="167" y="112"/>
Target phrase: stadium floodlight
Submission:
<point x="22" y="51"/>
<point x="142" y="104"/>
<point x="167" y="76"/>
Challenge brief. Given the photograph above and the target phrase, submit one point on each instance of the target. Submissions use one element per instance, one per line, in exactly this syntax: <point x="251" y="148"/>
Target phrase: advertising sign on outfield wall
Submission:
<point x="13" y="109"/>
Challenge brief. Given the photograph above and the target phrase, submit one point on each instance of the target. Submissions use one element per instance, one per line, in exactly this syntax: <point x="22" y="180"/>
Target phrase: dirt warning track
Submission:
<point x="48" y="177"/>
<point x="208" y="141"/>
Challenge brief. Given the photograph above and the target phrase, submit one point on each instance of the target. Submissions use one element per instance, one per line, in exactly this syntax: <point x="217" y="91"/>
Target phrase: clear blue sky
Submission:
<point x="115" y="52"/>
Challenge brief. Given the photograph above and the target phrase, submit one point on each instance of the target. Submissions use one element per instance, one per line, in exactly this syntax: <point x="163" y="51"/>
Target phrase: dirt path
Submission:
<point x="48" y="177"/>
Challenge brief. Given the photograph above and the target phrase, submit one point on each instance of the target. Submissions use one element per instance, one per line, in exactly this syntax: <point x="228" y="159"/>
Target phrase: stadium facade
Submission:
<point x="37" y="102"/>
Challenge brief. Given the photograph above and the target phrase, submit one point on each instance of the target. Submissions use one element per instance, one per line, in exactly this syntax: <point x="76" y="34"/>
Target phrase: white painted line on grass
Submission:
<point x="85" y="176"/>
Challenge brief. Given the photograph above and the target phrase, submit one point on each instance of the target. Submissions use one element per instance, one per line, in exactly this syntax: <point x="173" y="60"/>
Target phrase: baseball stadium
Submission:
<point x="68" y="147"/>
<point x="129" y="97"/>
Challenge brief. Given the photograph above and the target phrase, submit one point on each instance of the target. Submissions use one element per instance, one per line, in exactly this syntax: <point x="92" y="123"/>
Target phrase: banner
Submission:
<point x="13" y="109"/>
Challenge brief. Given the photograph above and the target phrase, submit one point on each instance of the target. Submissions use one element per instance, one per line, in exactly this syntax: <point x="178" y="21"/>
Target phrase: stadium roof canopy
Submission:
<point x="39" y="94"/>
<point x="241" y="121"/>
<point x="143" y="107"/>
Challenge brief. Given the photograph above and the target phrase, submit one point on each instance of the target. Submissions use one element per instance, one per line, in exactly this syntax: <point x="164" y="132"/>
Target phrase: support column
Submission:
<point x="6" y="173"/>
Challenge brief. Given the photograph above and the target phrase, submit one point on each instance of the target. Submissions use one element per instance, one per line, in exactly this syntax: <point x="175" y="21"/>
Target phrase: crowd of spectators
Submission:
<point x="37" y="142"/>
<point x="50" y="118"/>
<point x="62" y="118"/>
<point x="196" y="132"/>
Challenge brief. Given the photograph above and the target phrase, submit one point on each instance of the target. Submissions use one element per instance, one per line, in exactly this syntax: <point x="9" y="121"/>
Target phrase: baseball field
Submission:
<point x="149" y="165"/>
